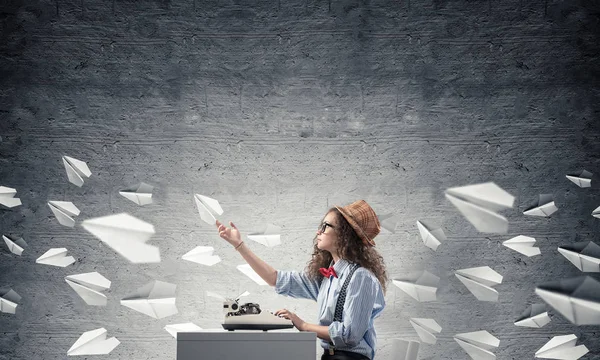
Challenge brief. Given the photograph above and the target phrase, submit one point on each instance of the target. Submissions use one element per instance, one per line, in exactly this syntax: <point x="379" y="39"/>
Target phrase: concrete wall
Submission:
<point x="280" y="109"/>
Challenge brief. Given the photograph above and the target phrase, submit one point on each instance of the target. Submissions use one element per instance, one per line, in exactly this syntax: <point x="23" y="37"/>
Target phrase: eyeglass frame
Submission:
<point x="323" y="227"/>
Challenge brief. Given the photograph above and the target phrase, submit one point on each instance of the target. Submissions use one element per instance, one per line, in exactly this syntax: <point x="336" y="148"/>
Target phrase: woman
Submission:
<point x="346" y="276"/>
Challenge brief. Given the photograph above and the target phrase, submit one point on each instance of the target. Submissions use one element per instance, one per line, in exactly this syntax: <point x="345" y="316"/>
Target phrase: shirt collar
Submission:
<point x="340" y="266"/>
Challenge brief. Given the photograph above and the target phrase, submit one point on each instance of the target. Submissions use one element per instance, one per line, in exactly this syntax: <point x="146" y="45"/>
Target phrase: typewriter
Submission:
<point x="249" y="316"/>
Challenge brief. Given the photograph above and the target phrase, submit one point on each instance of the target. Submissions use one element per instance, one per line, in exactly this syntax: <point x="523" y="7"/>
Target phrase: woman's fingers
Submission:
<point x="232" y="225"/>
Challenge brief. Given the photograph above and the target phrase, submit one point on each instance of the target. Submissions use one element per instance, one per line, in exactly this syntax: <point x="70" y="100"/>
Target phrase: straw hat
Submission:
<point x="363" y="220"/>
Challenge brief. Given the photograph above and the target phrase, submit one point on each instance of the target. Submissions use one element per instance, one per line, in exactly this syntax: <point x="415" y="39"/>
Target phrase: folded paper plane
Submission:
<point x="7" y="197"/>
<point x="249" y="272"/>
<point x="577" y="299"/>
<point x="523" y="244"/>
<point x="56" y="257"/>
<point x="544" y="207"/>
<point x="89" y="287"/>
<point x="389" y="222"/>
<point x="421" y="285"/>
<point x="478" y="344"/>
<point x="562" y="347"/>
<point x="479" y="281"/>
<point x="64" y="212"/>
<point x="585" y="255"/>
<point x="15" y="245"/>
<point x="207" y="207"/>
<point x="269" y="237"/>
<point x="155" y="299"/>
<point x="202" y="255"/>
<point x="426" y="329"/>
<point x="93" y="343"/>
<point x="583" y="179"/>
<point x="140" y="194"/>
<point x="9" y="300"/>
<point x="76" y="170"/>
<point x="535" y="316"/>
<point x="126" y="235"/>
<point x="479" y="203"/>
<point x="173" y="329"/>
<point x="432" y="237"/>
<point x="405" y="349"/>
<point x="596" y="212"/>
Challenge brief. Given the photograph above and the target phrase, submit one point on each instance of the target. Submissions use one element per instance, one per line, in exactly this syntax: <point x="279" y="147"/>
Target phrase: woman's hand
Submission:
<point x="231" y="235"/>
<point x="285" y="313"/>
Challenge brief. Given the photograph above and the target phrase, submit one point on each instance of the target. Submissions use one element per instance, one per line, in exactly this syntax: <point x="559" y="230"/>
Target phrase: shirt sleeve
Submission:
<point x="364" y="302"/>
<point x="296" y="285"/>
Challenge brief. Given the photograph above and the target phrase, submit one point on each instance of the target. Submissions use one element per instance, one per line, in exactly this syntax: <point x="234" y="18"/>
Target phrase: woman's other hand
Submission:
<point x="231" y="235"/>
<point x="285" y="313"/>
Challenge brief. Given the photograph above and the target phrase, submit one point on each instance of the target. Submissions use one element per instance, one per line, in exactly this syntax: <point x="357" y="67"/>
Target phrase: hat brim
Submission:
<point x="359" y="231"/>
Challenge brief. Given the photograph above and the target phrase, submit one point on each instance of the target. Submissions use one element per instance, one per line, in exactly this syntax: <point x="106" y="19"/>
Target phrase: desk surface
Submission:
<point x="246" y="336"/>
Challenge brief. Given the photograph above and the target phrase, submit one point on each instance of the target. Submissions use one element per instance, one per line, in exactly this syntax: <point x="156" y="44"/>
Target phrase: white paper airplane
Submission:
<point x="207" y="207"/>
<point x="426" y="328"/>
<point x="64" y="210"/>
<point x="405" y="349"/>
<point x="15" y="245"/>
<point x="9" y="300"/>
<point x="173" y="329"/>
<point x="389" y="222"/>
<point x="432" y="237"/>
<point x="478" y="203"/>
<point x="249" y="272"/>
<point x="421" y="285"/>
<point x="545" y="206"/>
<point x="89" y="287"/>
<point x="155" y="299"/>
<point x="93" y="343"/>
<point x="140" y="194"/>
<point x="269" y="237"/>
<point x="596" y="212"/>
<point x="523" y="244"/>
<point x="7" y="197"/>
<point x="478" y="344"/>
<point x="202" y="255"/>
<point x="577" y="299"/>
<point x="535" y="316"/>
<point x="479" y="281"/>
<point x="56" y="257"/>
<point x="583" y="179"/>
<point x="126" y="235"/>
<point x="585" y="255"/>
<point x="76" y="170"/>
<point x="562" y="347"/>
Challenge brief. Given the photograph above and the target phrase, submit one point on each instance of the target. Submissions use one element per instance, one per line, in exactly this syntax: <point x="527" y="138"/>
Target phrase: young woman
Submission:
<point x="346" y="277"/>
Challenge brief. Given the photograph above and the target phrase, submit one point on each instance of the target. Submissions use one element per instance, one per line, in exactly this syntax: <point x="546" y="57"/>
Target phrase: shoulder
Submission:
<point x="365" y="277"/>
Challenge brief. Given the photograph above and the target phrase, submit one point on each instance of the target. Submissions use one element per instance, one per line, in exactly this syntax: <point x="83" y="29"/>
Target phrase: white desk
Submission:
<point x="246" y="345"/>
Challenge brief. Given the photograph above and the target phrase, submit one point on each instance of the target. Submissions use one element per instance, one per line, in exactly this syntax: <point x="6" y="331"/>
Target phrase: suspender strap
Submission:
<point x="339" y="306"/>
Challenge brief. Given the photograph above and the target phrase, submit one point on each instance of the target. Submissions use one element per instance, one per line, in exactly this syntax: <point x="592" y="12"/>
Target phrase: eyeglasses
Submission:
<point x="323" y="226"/>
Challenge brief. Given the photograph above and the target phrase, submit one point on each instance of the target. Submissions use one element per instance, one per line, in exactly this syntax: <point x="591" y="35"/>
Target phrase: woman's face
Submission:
<point x="326" y="234"/>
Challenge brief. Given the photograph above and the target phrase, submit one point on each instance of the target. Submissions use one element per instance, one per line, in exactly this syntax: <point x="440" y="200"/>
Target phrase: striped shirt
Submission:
<point x="364" y="302"/>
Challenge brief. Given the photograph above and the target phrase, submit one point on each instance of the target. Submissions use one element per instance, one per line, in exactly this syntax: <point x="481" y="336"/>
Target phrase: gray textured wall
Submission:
<point x="280" y="109"/>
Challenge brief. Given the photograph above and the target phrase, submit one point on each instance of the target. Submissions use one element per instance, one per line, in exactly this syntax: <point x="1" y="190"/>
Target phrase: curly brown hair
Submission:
<point x="352" y="249"/>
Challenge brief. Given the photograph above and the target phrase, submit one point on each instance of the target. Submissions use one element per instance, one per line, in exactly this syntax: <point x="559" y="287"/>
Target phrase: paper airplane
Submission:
<point x="56" y="257"/>
<point x="535" y="316"/>
<point x="479" y="281"/>
<point x="126" y="235"/>
<point x="247" y="270"/>
<point x="155" y="299"/>
<point x="577" y="299"/>
<point x="140" y="194"/>
<point x="478" y="344"/>
<point x="426" y="328"/>
<point x="562" y="347"/>
<point x="596" y="212"/>
<point x="478" y="203"/>
<point x="389" y="222"/>
<point x="88" y="286"/>
<point x="583" y="179"/>
<point x="15" y="245"/>
<point x="432" y="238"/>
<point x="207" y="207"/>
<point x="76" y="170"/>
<point x="421" y="285"/>
<point x="405" y="349"/>
<point x="64" y="210"/>
<point x="545" y="206"/>
<point x="269" y="237"/>
<point x="7" y="197"/>
<point x="585" y="255"/>
<point x="9" y="300"/>
<point x="173" y="329"/>
<point x="93" y="343"/>
<point x="202" y="255"/>
<point x="523" y="244"/>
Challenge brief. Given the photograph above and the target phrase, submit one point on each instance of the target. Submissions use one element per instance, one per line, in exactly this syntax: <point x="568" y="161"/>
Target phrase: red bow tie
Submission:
<point x="328" y="272"/>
